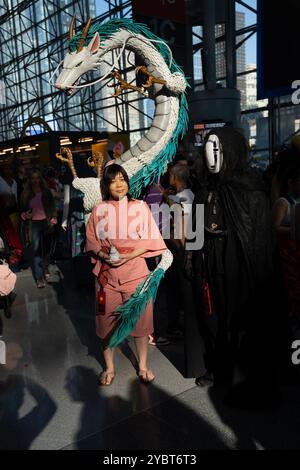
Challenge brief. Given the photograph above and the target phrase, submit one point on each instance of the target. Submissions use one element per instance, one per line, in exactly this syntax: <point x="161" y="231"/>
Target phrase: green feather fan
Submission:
<point x="130" y="312"/>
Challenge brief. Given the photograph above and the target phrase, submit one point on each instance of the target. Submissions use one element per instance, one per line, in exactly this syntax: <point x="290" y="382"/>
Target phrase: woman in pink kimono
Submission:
<point x="120" y="234"/>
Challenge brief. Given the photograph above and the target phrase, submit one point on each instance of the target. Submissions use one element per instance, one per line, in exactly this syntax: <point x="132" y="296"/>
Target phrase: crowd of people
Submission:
<point x="212" y="297"/>
<point x="30" y="208"/>
<point x="206" y="297"/>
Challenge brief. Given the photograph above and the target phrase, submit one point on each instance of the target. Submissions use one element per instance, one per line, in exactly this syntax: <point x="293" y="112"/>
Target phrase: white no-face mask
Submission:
<point x="213" y="154"/>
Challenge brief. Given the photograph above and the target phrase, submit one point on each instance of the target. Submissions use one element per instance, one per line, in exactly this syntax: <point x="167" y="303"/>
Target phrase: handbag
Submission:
<point x="7" y="280"/>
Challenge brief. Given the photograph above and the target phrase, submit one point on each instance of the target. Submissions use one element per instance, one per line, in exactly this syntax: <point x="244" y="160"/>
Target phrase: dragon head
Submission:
<point x="78" y="62"/>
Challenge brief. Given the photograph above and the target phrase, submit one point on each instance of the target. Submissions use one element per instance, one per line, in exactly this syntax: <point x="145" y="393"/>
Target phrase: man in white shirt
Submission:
<point x="179" y="178"/>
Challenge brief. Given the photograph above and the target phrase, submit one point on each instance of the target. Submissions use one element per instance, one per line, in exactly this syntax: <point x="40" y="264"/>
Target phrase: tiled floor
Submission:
<point x="49" y="398"/>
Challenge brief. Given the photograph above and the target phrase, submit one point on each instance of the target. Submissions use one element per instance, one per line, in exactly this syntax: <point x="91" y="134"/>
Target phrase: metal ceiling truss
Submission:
<point x="33" y="35"/>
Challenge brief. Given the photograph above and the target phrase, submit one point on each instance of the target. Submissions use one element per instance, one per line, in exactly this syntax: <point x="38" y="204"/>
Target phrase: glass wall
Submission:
<point x="269" y="124"/>
<point x="33" y="38"/>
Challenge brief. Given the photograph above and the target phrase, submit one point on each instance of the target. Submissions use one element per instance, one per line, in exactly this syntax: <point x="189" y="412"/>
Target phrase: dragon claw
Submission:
<point x="122" y="85"/>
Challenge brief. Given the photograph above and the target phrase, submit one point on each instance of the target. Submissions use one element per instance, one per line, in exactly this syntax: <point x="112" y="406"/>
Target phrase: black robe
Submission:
<point x="234" y="264"/>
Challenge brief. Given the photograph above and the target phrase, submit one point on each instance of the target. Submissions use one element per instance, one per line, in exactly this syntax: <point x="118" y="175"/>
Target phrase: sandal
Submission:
<point x="144" y="376"/>
<point x="106" y="378"/>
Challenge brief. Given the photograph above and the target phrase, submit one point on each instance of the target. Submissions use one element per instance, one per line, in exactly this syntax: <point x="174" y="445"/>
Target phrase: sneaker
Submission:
<point x="158" y="341"/>
<point x="161" y="341"/>
<point x="204" y="380"/>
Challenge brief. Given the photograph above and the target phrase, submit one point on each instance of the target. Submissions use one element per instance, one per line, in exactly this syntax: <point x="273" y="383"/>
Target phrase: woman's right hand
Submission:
<point x="104" y="257"/>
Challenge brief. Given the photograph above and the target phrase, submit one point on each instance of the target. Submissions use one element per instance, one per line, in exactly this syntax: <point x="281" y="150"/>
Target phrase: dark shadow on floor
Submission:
<point x="171" y="425"/>
<point x="17" y="432"/>
<point x="275" y="428"/>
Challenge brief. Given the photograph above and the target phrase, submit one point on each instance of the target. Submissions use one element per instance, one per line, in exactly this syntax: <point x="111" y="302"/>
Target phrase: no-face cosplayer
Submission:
<point x="235" y="260"/>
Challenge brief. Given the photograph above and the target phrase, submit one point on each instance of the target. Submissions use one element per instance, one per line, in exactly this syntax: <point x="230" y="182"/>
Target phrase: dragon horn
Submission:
<point x="100" y="164"/>
<point x="84" y="35"/>
<point x="71" y="29"/>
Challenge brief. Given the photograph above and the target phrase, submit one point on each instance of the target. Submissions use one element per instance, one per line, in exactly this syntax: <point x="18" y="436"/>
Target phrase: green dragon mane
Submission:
<point x="108" y="28"/>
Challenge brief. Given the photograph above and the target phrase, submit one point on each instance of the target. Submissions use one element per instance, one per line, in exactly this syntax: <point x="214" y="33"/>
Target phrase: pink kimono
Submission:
<point x="126" y="225"/>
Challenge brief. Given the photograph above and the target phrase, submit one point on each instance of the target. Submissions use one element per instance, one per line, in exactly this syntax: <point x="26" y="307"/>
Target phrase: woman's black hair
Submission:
<point x="110" y="172"/>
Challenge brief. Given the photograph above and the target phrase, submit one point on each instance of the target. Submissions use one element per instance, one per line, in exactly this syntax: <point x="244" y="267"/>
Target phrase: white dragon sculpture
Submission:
<point x="165" y="83"/>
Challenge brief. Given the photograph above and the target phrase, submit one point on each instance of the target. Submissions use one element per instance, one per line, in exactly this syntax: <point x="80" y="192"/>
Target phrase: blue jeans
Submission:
<point x="38" y="254"/>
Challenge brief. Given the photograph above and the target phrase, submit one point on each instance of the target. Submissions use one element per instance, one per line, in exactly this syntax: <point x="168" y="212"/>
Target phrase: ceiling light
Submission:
<point x="24" y="146"/>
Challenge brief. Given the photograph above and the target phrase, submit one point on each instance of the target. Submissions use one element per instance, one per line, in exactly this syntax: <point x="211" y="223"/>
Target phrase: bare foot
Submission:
<point x="106" y="377"/>
<point x="146" y="375"/>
